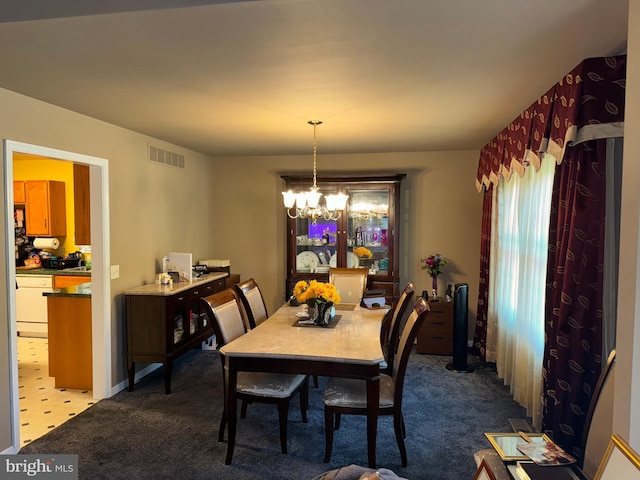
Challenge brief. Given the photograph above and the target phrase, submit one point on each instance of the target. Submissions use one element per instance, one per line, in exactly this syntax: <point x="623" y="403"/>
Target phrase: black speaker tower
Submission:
<point x="460" y="328"/>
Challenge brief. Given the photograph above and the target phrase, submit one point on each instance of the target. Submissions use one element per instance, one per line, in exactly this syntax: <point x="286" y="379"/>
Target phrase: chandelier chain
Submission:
<point x="315" y="123"/>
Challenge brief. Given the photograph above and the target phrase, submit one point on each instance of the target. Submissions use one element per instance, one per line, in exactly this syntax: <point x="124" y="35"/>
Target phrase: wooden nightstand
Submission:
<point x="436" y="335"/>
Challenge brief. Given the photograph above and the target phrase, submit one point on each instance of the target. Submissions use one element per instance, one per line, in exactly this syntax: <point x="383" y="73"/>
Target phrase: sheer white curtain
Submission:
<point x="517" y="282"/>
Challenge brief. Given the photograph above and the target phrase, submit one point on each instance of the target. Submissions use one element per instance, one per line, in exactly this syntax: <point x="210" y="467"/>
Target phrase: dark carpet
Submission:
<point x="146" y="434"/>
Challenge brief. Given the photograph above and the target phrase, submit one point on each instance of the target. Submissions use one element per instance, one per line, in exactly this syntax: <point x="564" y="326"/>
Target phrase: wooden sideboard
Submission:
<point x="166" y="321"/>
<point x="436" y="334"/>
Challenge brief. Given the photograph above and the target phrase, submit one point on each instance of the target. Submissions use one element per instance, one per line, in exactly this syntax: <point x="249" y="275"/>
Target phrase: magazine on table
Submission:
<point x="546" y="453"/>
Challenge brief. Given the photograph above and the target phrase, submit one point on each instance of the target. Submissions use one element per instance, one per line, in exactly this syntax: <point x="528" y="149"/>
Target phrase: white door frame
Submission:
<point x="100" y="272"/>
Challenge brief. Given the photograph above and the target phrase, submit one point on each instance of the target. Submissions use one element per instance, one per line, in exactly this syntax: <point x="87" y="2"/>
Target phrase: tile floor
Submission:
<point x="42" y="406"/>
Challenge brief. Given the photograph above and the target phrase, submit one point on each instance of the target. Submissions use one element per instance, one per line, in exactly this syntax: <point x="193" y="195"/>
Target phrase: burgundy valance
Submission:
<point x="586" y="104"/>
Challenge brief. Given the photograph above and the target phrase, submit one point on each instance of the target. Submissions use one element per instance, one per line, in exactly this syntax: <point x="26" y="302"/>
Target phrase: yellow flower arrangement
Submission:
<point x="363" y="252"/>
<point x="315" y="292"/>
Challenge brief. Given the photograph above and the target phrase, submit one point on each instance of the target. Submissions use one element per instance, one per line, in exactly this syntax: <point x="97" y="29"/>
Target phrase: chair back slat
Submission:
<point x="252" y="302"/>
<point x="396" y="321"/>
<point x="226" y="315"/>
<point x="256" y="305"/>
<point x="409" y="332"/>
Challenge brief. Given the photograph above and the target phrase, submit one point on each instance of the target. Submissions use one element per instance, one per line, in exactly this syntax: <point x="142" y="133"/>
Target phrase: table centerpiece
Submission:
<point x="320" y="297"/>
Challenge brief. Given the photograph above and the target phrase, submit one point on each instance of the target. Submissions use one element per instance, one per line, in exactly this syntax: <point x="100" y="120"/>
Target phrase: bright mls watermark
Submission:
<point x="52" y="467"/>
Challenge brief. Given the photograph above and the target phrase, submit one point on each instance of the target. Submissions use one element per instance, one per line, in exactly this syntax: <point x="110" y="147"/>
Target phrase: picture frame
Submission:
<point x="619" y="461"/>
<point x="505" y="444"/>
<point x="484" y="472"/>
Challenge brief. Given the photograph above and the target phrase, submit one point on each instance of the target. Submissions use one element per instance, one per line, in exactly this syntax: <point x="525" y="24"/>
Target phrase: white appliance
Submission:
<point x="181" y="263"/>
<point x="31" y="305"/>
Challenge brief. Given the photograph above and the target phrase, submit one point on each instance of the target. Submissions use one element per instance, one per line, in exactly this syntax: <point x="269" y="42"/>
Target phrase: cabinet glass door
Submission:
<point x="315" y="245"/>
<point x="179" y="333"/>
<point x="368" y="230"/>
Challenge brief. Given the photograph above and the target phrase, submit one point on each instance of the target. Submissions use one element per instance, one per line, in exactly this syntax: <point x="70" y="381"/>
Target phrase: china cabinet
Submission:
<point x="364" y="235"/>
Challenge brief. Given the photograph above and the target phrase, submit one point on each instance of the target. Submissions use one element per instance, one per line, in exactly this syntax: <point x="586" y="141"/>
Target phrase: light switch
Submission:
<point x="115" y="271"/>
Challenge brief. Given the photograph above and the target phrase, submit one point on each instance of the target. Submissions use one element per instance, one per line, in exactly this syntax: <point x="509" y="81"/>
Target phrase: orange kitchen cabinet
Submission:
<point x="81" y="204"/>
<point x="18" y="192"/>
<point x="46" y="212"/>
<point x="70" y="348"/>
<point x="63" y="281"/>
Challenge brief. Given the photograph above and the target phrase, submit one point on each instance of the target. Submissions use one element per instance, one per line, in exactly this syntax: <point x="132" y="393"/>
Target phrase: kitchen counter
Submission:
<point x="82" y="290"/>
<point x="53" y="271"/>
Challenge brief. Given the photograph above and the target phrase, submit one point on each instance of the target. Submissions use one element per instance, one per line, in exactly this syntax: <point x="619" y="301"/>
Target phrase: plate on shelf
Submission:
<point x="306" y="261"/>
<point x="352" y="260"/>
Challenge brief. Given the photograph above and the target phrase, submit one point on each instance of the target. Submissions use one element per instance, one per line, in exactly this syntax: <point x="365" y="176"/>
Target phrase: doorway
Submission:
<point x="101" y="294"/>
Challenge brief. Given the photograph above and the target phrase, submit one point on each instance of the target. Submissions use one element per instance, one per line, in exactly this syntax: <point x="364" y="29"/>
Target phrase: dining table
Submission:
<point x="348" y="347"/>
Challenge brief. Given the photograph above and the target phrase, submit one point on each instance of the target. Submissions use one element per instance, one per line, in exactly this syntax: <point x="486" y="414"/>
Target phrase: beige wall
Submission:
<point x="440" y="213"/>
<point x="5" y="394"/>
<point x="626" y="420"/>
<point x="154" y="209"/>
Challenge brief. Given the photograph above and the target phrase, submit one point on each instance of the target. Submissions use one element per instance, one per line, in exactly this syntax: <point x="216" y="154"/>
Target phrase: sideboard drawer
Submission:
<point x="219" y="285"/>
<point x="436" y="334"/>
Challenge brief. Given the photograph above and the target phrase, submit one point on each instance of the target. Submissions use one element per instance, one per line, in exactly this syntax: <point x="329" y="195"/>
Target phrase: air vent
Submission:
<point x="161" y="156"/>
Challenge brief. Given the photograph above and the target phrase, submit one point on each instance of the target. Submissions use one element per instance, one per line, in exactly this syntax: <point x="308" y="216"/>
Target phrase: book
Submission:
<point x="532" y="471"/>
<point x="545" y="453"/>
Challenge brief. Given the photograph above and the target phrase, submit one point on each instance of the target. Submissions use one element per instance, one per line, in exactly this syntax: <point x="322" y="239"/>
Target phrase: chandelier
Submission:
<point x="368" y="211"/>
<point x="307" y="204"/>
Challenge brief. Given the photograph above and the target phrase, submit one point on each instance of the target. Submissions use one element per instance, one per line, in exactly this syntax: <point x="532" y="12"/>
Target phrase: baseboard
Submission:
<point x="140" y="374"/>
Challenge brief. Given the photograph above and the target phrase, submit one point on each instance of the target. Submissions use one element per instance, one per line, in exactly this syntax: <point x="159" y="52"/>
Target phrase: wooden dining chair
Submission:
<point x="350" y="283"/>
<point x="228" y="323"/>
<point x="349" y="396"/>
<point x="252" y="302"/>
<point x="392" y="326"/>
<point x="255" y="308"/>
<point x="598" y="425"/>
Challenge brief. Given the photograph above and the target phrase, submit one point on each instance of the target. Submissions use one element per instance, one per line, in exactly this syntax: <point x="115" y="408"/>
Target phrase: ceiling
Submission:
<point x="243" y="77"/>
